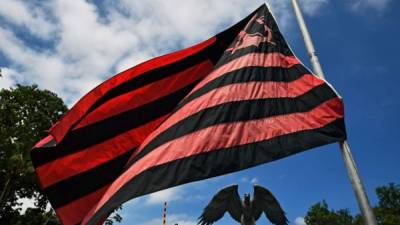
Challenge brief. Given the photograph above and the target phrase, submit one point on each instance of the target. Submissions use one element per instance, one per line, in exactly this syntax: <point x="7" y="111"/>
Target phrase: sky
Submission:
<point x="69" y="47"/>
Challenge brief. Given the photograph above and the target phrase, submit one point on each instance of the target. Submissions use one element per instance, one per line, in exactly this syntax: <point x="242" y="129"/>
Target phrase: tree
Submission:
<point x="25" y="113"/>
<point x="320" y="214"/>
<point x="387" y="210"/>
<point x="114" y="217"/>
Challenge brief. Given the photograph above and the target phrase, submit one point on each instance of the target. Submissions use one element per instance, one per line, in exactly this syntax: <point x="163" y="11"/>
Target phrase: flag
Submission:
<point x="234" y="101"/>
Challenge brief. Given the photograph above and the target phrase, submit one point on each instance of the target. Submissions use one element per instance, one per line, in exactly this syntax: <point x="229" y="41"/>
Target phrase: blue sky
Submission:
<point x="71" y="46"/>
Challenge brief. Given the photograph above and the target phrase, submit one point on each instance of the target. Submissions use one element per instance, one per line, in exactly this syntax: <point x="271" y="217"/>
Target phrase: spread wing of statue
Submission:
<point x="246" y="212"/>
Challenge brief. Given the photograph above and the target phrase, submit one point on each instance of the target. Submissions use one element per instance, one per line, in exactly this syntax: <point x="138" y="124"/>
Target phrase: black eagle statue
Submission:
<point x="246" y="212"/>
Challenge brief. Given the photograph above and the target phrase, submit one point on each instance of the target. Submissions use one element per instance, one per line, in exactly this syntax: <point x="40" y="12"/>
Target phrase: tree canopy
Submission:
<point x="26" y="112"/>
<point x="387" y="211"/>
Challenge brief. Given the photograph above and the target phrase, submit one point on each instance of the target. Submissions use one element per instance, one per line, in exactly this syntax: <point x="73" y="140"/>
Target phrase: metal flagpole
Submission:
<point x="366" y="211"/>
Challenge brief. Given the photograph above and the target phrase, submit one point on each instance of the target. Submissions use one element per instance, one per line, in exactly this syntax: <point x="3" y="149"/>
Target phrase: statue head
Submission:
<point x="246" y="199"/>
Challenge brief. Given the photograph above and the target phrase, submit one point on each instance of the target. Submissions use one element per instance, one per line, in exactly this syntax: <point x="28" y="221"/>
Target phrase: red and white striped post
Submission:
<point x="165" y="214"/>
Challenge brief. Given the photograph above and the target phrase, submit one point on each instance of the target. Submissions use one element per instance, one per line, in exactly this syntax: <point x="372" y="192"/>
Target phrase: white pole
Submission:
<point x="363" y="203"/>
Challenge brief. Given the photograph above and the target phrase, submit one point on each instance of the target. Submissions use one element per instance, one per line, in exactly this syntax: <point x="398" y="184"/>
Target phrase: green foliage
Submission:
<point x="320" y="214"/>
<point x="35" y="216"/>
<point x="25" y="113"/>
<point x="387" y="211"/>
<point x="114" y="217"/>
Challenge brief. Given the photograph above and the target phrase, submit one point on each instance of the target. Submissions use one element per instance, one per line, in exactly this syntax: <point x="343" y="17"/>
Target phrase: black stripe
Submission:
<point x="84" y="137"/>
<point x="155" y="75"/>
<point x="222" y="161"/>
<point x="70" y="189"/>
<point x="262" y="48"/>
<point x="248" y="74"/>
<point x="239" y="111"/>
<point x="152" y="76"/>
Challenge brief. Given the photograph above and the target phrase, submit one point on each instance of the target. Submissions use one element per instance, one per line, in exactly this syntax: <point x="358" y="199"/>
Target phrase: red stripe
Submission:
<point x="237" y="92"/>
<point x="59" y="130"/>
<point x="73" y="164"/>
<point x="72" y="213"/>
<point x="225" y="136"/>
<point x="147" y="93"/>
<point x="43" y="142"/>
<point x="251" y="59"/>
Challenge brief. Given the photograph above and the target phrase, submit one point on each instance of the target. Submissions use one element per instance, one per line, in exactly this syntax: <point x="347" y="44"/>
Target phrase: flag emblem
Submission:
<point x="246" y="39"/>
<point x="236" y="100"/>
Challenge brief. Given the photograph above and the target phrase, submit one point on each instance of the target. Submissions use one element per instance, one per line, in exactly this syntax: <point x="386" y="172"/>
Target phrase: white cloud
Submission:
<point x="86" y="46"/>
<point x="25" y="203"/>
<point x="244" y="179"/>
<point x="254" y="180"/>
<point x="180" y="219"/>
<point x="7" y="77"/>
<point x="29" y="65"/>
<point x="311" y="7"/>
<point x="299" y="221"/>
<point x="378" y="5"/>
<point x="168" y="195"/>
<point x="34" y="19"/>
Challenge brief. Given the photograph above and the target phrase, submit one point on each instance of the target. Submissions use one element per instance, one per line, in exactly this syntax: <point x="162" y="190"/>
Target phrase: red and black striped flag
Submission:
<point x="236" y="100"/>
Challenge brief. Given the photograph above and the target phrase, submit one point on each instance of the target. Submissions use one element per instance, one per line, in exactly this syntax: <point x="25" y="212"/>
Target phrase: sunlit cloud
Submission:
<point x="82" y="44"/>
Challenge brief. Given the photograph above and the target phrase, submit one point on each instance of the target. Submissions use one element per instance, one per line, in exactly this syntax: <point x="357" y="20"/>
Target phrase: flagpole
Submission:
<point x="366" y="211"/>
